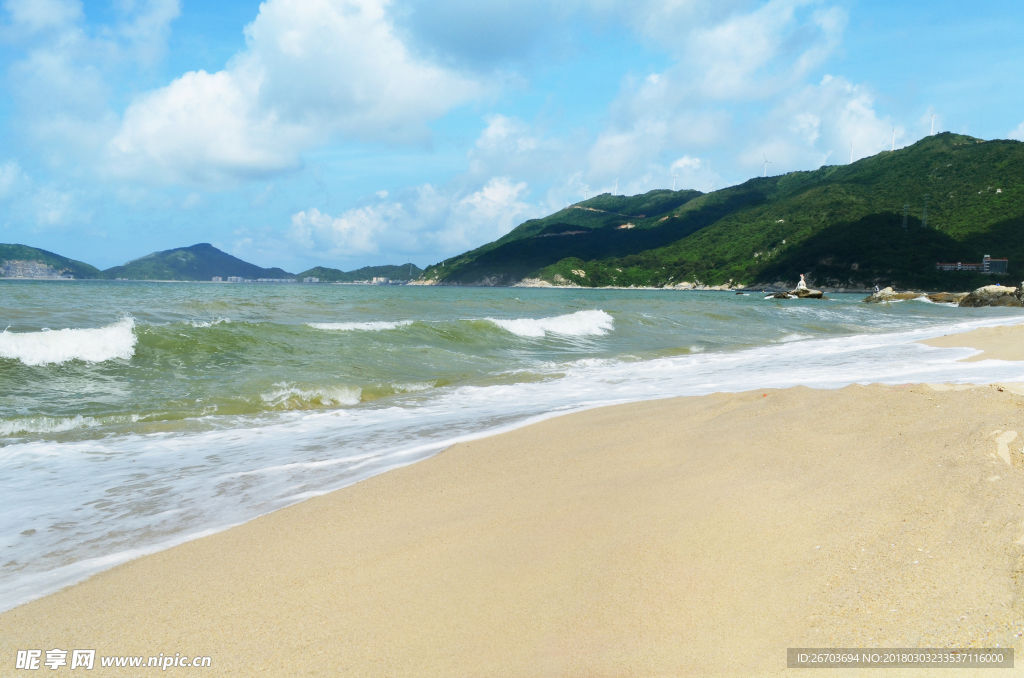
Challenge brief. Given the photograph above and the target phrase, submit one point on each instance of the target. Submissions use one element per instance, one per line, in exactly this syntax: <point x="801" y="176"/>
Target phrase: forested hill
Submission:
<point x="198" y="262"/>
<point x="842" y="225"/>
<point x="55" y="265"/>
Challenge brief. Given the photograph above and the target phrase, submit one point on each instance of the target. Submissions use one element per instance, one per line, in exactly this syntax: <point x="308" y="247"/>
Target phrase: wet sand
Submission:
<point x="995" y="343"/>
<point x="684" y="537"/>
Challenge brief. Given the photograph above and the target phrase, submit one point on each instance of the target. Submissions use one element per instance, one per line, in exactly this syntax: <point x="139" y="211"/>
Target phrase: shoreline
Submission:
<point x="535" y="542"/>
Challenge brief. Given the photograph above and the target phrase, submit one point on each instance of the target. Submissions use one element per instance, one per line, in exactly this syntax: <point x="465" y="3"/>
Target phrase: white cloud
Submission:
<point x="11" y="179"/>
<point x="816" y="124"/>
<point x="756" y="54"/>
<point x="37" y="15"/>
<point x="1018" y="133"/>
<point x="430" y="222"/>
<point x="310" y="70"/>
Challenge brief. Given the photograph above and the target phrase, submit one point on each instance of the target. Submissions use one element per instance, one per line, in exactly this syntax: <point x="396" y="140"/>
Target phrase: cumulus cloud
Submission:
<point x="311" y="70"/>
<point x="1017" y="133"/>
<point x="61" y="86"/>
<point x="429" y="222"/>
<point x="816" y="125"/>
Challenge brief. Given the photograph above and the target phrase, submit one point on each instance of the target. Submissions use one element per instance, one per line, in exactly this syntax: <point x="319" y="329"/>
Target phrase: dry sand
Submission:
<point x="692" y="536"/>
<point x="996" y="343"/>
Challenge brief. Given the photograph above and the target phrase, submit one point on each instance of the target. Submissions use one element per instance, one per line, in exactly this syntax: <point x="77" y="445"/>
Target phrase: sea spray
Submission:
<point x="60" y="346"/>
<point x="579" y="324"/>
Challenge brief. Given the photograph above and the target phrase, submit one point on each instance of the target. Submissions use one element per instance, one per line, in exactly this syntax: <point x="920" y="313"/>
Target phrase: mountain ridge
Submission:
<point x="841" y="225"/>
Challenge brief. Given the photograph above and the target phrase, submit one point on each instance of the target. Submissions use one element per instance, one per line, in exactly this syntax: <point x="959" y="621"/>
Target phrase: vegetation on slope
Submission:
<point x="840" y="225"/>
<point x="62" y="265"/>
<point x="198" y="262"/>
<point x="398" y="272"/>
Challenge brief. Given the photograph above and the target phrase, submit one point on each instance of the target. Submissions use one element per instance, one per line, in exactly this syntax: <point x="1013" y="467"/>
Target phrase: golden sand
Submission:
<point x="996" y="343"/>
<point x="685" y="537"/>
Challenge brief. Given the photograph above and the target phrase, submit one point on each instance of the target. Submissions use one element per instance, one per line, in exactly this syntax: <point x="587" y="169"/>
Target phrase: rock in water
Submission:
<point x="1020" y="293"/>
<point x="808" y="294"/>
<point x="889" y="295"/>
<point x="947" y="297"/>
<point x="992" y="295"/>
<point x="779" y="295"/>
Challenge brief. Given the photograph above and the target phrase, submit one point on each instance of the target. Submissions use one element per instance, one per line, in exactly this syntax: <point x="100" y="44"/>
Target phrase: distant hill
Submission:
<point x="841" y="225"/>
<point x="48" y="264"/>
<point x="198" y="262"/>
<point x="402" y="272"/>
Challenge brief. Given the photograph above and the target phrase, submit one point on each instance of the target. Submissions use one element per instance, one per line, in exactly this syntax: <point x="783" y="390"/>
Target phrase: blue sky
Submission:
<point x="297" y="133"/>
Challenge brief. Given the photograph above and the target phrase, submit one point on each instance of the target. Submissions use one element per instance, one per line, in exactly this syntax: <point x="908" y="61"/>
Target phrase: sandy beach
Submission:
<point x="685" y="537"/>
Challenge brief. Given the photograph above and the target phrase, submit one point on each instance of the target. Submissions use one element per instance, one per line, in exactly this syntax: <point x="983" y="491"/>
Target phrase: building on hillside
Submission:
<point x="311" y="279"/>
<point x="217" y="278"/>
<point x="381" y="281"/>
<point x="987" y="265"/>
<point x="234" y="278"/>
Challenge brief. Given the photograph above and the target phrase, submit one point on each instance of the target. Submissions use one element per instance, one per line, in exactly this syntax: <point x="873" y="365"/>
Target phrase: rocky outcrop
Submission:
<point x="992" y="295"/>
<point x="798" y="294"/>
<point x="1020" y="293"/>
<point x="947" y="297"/>
<point x="888" y="294"/>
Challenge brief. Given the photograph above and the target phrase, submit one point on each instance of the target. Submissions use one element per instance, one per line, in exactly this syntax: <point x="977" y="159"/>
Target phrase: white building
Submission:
<point x="381" y="281"/>
<point x="234" y="278"/>
<point x="311" y="279"/>
<point x="217" y="278"/>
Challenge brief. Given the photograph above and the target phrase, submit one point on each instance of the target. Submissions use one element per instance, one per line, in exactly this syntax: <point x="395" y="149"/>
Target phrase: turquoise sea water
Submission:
<point x="137" y="415"/>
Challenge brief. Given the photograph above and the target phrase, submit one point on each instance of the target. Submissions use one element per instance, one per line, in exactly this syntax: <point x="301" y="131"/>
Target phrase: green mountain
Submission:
<point x="198" y="262"/>
<point x="403" y="272"/>
<point x="12" y="256"/>
<point x="842" y="226"/>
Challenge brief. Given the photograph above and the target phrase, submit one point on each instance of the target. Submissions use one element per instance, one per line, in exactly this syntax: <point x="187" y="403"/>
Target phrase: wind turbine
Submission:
<point x="894" y="138"/>
<point x="616" y="185"/>
<point x="933" y="123"/>
<point x="851" y="152"/>
<point x="586" y="192"/>
<point x="766" y="163"/>
<point x="674" y="181"/>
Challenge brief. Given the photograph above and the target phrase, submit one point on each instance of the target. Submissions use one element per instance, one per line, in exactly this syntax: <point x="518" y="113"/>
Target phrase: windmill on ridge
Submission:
<point x="851" y="152"/>
<point x="933" y="123"/>
<point x="894" y="138"/>
<point x="674" y="181"/>
<point x="765" y="165"/>
<point x="616" y="185"/>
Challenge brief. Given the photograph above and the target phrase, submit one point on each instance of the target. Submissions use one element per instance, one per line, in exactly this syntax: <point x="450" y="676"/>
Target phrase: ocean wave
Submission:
<point x="290" y="396"/>
<point x="93" y="345"/>
<point x="10" y="427"/>
<point x="366" y="327"/>
<point x="209" y="323"/>
<point x="579" y="324"/>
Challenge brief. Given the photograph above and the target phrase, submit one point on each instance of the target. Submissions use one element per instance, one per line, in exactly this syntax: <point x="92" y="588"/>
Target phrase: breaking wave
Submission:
<point x="366" y="327"/>
<point x="579" y="324"/>
<point x="93" y="345"/>
<point x="292" y="397"/>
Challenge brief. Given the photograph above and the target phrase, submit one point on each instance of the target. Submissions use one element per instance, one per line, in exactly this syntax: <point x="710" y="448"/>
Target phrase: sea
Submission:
<point x="138" y="415"/>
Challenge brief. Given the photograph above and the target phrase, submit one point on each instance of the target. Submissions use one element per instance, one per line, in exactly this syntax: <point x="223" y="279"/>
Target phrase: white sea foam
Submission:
<point x="210" y="323"/>
<point x="287" y="395"/>
<point x="45" y="424"/>
<point x="94" y="345"/>
<point x="413" y="387"/>
<point x="578" y="324"/>
<point x="228" y="475"/>
<point x="365" y="327"/>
